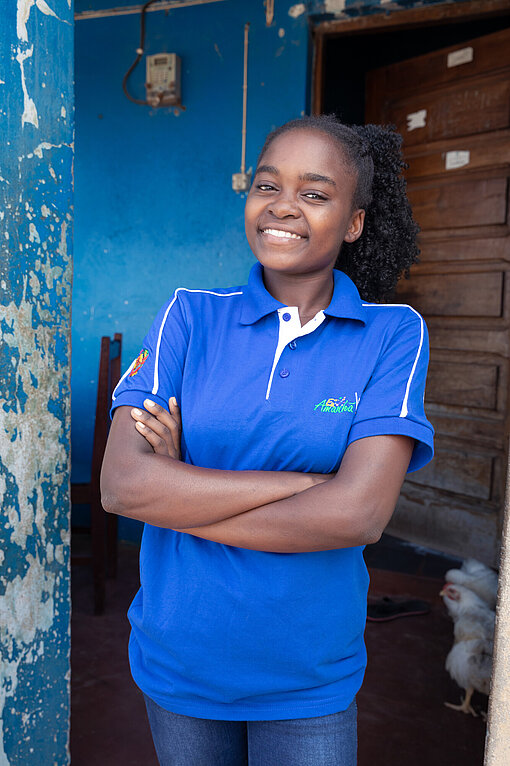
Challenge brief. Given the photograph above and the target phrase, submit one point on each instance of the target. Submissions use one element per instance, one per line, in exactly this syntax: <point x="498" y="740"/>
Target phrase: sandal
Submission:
<point x="386" y="608"/>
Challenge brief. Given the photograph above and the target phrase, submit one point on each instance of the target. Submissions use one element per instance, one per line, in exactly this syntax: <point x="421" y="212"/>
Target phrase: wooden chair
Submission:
<point x="103" y="526"/>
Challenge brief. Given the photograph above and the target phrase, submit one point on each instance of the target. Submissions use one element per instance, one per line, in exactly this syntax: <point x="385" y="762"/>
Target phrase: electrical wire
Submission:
<point x="245" y="98"/>
<point x="139" y="54"/>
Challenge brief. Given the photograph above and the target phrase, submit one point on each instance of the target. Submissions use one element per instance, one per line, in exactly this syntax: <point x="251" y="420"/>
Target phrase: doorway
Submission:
<point x="456" y="504"/>
<point x="347" y="58"/>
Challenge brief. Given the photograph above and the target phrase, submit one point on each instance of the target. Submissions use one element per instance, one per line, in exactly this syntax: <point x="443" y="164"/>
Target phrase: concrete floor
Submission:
<point x="402" y="720"/>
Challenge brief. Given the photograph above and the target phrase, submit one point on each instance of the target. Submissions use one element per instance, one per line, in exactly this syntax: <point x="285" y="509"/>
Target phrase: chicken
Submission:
<point x="478" y="578"/>
<point x="469" y="662"/>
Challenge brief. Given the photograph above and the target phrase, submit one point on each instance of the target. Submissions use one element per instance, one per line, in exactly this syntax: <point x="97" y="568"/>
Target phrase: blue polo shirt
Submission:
<point x="222" y="632"/>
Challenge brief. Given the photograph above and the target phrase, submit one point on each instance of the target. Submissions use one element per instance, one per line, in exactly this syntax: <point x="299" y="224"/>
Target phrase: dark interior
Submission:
<point x="347" y="58"/>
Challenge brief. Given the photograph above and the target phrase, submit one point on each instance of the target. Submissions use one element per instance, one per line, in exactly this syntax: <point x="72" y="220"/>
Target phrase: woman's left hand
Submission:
<point x="161" y="428"/>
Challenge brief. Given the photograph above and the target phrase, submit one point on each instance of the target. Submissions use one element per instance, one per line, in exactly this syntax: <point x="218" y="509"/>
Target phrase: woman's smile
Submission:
<point x="281" y="237"/>
<point x="281" y="234"/>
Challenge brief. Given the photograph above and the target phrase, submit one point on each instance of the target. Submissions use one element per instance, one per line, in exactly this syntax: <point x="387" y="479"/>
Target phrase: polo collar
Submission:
<point x="257" y="302"/>
<point x="346" y="302"/>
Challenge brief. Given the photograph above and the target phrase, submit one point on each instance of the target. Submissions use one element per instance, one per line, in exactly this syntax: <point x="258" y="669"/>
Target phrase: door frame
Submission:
<point x="469" y="10"/>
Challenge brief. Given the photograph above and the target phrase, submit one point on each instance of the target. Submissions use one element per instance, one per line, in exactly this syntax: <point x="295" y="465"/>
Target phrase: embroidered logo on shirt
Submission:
<point x="139" y="362"/>
<point x="338" y="405"/>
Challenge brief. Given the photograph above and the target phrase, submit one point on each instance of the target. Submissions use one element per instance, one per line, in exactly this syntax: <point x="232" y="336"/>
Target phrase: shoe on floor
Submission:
<point x="386" y="608"/>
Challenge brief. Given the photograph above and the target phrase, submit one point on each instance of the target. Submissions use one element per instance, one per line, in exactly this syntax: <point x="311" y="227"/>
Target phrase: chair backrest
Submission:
<point x="108" y="377"/>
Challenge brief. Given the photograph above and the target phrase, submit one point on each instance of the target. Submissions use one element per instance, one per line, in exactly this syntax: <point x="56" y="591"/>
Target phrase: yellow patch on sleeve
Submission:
<point x="139" y="362"/>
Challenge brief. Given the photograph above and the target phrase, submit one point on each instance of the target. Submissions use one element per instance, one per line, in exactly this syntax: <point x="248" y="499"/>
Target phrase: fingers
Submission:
<point x="171" y="420"/>
<point x="157" y="443"/>
<point x="175" y="411"/>
<point x="159" y="429"/>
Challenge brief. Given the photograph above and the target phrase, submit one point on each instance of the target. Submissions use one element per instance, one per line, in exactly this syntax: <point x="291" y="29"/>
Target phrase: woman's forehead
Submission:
<point x="309" y="148"/>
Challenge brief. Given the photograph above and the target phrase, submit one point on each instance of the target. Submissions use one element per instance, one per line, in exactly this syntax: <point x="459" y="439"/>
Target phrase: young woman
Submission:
<point x="302" y="411"/>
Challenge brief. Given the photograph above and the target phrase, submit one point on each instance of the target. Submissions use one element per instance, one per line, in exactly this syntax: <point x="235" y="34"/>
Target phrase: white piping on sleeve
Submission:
<point x="155" y="387"/>
<point x="156" y="361"/>
<point x="123" y="377"/>
<point x="404" y="409"/>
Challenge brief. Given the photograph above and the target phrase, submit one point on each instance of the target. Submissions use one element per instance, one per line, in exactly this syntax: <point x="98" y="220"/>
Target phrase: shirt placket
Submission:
<point x="283" y="370"/>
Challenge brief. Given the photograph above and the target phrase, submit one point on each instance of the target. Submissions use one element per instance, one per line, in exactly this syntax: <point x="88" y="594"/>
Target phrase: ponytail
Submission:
<point x="387" y="247"/>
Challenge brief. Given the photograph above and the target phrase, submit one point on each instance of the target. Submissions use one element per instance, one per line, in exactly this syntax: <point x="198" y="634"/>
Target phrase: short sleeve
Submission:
<point x="393" y="400"/>
<point x="157" y="370"/>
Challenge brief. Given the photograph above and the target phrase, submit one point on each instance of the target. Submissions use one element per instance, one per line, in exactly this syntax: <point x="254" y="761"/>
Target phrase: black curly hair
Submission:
<point x="387" y="247"/>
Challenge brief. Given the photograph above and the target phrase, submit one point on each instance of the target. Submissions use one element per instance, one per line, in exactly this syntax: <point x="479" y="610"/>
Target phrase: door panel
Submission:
<point x="463" y="110"/>
<point x="457" y="294"/>
<point x="459" y="471"/>
<point x="463" y="203"/>
<point x="462" y="384"/>
<point x="453" y="109"/>
<point x="487" y="54"/>
<point x="488" y="249"/>
<point x="455" y="157"/>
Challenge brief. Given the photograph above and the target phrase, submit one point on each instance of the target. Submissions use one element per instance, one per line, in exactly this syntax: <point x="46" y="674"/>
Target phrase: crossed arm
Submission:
<point x="278" y="511"/>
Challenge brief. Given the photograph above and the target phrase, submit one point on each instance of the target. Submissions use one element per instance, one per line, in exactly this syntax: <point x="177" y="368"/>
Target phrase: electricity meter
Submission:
<point x="163" y="84"/>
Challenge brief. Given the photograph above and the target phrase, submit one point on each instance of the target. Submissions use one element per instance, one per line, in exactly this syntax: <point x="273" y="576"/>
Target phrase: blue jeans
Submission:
<point x="180" y="740"/>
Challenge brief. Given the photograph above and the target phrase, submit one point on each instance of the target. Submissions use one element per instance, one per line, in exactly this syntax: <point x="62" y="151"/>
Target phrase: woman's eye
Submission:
<point x="314" y="196"/>
<point x="265" y="187"/>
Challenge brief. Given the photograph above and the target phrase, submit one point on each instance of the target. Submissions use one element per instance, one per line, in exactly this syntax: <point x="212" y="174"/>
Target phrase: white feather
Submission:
<point x="469" y="662"/>
<point x="477" y="577"/>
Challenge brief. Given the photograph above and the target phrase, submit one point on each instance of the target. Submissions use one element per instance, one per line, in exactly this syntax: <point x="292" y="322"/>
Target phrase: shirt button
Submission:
<point x="292" y="344"/>
<point x="284" y="373"/>
<point x="286" y="317"/>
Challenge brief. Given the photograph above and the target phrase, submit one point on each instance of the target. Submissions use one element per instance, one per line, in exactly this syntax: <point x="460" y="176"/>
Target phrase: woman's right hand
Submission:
<point x="161" y="428"/>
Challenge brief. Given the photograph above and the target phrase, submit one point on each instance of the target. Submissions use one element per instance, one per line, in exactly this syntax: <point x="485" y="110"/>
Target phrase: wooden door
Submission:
<point x="453" y="109"/>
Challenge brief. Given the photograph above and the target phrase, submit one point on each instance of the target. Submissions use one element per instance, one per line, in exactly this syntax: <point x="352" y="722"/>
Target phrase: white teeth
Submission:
<point x="281" y="234"/>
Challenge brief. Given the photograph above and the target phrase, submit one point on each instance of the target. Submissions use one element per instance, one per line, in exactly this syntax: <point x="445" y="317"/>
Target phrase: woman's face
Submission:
<point x="299" y="208"/>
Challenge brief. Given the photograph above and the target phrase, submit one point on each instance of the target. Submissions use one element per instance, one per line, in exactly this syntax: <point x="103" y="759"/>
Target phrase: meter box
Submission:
<point x="163" y="85"/>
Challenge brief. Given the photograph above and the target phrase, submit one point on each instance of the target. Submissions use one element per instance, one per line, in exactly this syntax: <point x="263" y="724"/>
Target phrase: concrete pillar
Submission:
<point x="497" y="747"/>
<point x="36" y="153"/>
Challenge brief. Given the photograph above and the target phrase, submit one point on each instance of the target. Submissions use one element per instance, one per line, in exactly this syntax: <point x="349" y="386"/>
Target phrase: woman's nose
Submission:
<point x="284" y="206"/>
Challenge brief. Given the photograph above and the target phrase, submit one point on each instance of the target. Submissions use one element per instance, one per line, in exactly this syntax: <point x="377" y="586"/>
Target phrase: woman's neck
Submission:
<point x="309" y="292"/>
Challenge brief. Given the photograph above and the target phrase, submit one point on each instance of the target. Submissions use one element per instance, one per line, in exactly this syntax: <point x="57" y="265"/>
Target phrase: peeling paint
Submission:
<point x="35" y="297"/>
<point x="23" y="12"/>
<point x="17" y="603"/>
<point x="33" y="234"/>
<point x="297" y="10"/>
<point x="29" y="108"/>
<point x="44" y="8"/>
<point x="38" y="151"/>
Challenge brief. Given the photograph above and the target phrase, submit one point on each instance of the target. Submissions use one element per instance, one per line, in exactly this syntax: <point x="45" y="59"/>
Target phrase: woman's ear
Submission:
<point x="355" y="227"/>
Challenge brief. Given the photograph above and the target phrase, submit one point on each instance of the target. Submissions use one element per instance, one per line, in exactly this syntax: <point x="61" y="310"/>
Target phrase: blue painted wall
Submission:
<point x="36" y="125"/>
<point x="154" y="203"/>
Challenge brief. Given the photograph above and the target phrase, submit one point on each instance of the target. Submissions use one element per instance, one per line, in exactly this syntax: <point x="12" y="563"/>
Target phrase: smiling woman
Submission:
<point x="300" y="210"/>
<point x="264" y="441"/>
